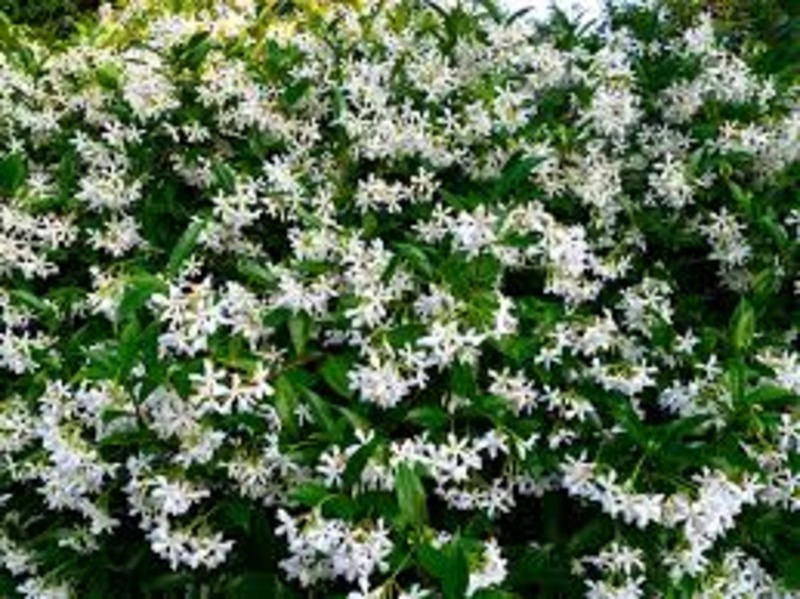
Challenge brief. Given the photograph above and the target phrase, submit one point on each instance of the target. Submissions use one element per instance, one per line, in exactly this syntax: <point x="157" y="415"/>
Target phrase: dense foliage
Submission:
<point x="768" y="30"/>
<point x="397" y="299"/>
<point x="52" y="18"/>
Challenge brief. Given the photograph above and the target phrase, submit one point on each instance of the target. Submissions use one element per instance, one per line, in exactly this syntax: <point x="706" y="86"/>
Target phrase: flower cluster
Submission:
<point x="393" y="298"/>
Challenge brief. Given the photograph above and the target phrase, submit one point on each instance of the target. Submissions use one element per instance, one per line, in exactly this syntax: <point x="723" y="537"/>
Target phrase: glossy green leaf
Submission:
<point x="138" y="290"/>
<point x="184" y="247"/>
<point x="411" y="495"/>
<point x="456" y="576"/>
<point x="743" y="325"/>
<point x="334" y="371"/>
<point x="300" y="332"/>
<point x="13" y="172"/>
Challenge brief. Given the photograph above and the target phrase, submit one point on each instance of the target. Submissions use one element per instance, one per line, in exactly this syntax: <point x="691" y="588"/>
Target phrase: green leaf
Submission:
<point x="771" y="225"/>
<point x="13" y="171"/>
<point x="515" y="176"/>
<point x="256" y="273"/>
<point x="516" y="15"/>
<point x="307" y="217"/>
<point x="416" y="257"/>
<point x="299" y="331"/>
<point x="369" y="224"/>
<point x="339" y="104"/>
<point x="430" y="417"/>
<point x="462" y="380"/>
<point x="410" y="495"/>
<point x="770" y="396"/>
<point x="735" y="372"/>
<point x="109" y="76"/>
<point x="493" y="10"/>
<point x="155" y="367"/>
<point x="40" y="307"/>
<point x="128" y="348"/>
<point x="310" y="494"/>
<point x="456" y="576"/>
<point x="163" y="582"/>
<point x="224" y="177"/>
<point x="543" y="566"/>
<point x="334" y="372"/>
<point x="253" y="585"/>
<point x="286" y="402"/>
<point x="184" y="247"/>
<point x="432" y="560"/>
<point x="293" y="93"/>
<point x="322" y="413"/>
<point x="195" y="50"/>
<point x="767" y="282"/>
<point x="743" y="198"/>
<point x="743" y="325"/>
<point x="236" y="513"/>
<point x="492" y="594"/>
<point x="355" y="420"/>
<point x="339" y="506"/>
<point x="789" y="568"/>
<point x="137" y="438"/>
<point x="357" y="462"/>
<point x="137" y="292"/>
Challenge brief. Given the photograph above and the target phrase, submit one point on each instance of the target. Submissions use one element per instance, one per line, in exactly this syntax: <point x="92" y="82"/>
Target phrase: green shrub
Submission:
<point x="391" y="300"/>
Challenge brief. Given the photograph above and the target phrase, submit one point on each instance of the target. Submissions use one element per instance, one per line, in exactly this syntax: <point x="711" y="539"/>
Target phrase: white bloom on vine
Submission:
<point x="295" y="294"/>
<point x="180" y="547"/>
<point x="27" y="240"/>
<point x="15" y="558"/>
<point x="176" y="497"/>
<point x="380" y="381"/>
<point x="376" y="193"/>
<point x="437" y="303"/>
<point x="191" y="314"/>
<point x="210" y="391"/>
<point x="578" y="475"/>
<point x="617" y="558"/>
<point x="786" y="366"/>
<point x="446" y="343"/>
<point x="109" y="189"/>
<point x="119" y="236"/>
<point x="515" y="389"/>
<point x="700" y="39"/>
<point x="242" y="311"/>
<point x="146" y="87"/>
<point x="331" y="466"/>
<point x="613" y="110"/>
<point x="670" y="183"/>
<point x="238" y="209"/>
<point x="647" y="304"/>
<point x="475" y="231"/>
<point x="630" y="588"/>
<point x="36" y="588"/>
<point x="492" y="569"/>
<point x="326" y="549"/>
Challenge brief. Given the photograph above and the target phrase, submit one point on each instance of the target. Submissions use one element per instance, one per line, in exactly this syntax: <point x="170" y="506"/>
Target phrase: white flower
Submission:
<point x="119" y="237"/>
<point x="446" y="343"/>
<point x="322" y="549"/>
<point x="176" y="497"/>
<point x="211" y="394"/>
<point x="331" y="466"/>
<point x="380" y="381"/>
<point x="491" y="571"/>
